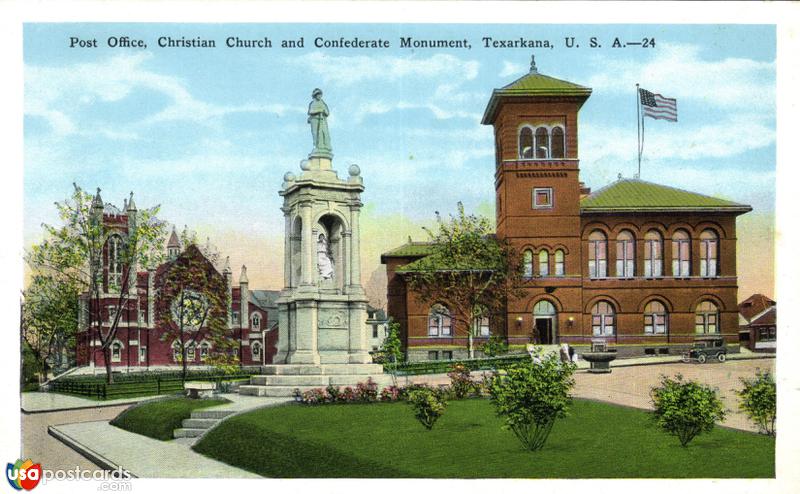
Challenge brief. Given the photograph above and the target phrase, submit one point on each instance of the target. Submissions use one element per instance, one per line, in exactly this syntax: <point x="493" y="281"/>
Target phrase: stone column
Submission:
<point x="347" y="239"/>
<point x="307" y="244"/>
<point x="287" y="249"/>
<point x="283" y="335"/>
<point x="357" y="343"/>
<point x="355" y="250"/>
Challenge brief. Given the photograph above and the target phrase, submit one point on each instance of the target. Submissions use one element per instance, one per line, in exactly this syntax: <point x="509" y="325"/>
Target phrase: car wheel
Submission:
<point x="721" y="357"/>
<point x="701" y="358"/>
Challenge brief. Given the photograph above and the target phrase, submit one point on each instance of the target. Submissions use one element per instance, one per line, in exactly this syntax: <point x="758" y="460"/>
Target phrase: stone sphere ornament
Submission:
<point x="289" y="177"/>
<point x="305" y="165"/>
<point x="354" y="170"/>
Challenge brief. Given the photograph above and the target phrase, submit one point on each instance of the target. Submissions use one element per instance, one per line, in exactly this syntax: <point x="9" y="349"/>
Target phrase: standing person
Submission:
<point x="318" y="118"/>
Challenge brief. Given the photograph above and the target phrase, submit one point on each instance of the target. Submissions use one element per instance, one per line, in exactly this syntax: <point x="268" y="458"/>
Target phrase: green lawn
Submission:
<point x="597" y="440"/>
<point x="158" y="418"/>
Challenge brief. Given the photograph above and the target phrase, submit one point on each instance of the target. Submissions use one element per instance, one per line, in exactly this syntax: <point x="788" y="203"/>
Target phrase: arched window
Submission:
<point x="439" y="321"/>
<point x="708" y="253"/>
<point x="680" y="254"/>
<point x="542" y="143"/>
<point x="559" y="262"/>
<point x="480" y="322"/>
<point x="114" y="261"/>
<point x="544" y="308"/>
<point x="557" y="147"/>
<point x="255" y="349"/>
<point x="116" y="351"/>
<point x="526" y="143"/>
<point x="190" y="354"/>
<point x="625" y="254"/>
<point x="256" y="319"/>
<point x="655" y="318"/>
<point x="205" y="349"/>
<point x="176" y="351"/>
<point x="544" y="263"/>
<point x="602" y="319"/>
<point x="597" y="255"/>
<point x="706" y="318"/>
<point x="527" y="264"/>
<point x="653" y="259"/>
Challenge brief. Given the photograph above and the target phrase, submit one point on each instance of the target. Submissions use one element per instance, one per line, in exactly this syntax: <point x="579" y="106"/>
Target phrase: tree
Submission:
<point x="686" y="408"/>
<point x="469" y="271"/>
<point x="73" y="252"/>
<point x="530" y="396"/>
<point x="759" y="401"/>
<point x="193" y="304"/>
<point x="49" y="317"/>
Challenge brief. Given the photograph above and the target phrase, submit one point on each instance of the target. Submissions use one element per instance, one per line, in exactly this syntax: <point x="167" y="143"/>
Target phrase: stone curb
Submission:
<point x="96" y="458"/>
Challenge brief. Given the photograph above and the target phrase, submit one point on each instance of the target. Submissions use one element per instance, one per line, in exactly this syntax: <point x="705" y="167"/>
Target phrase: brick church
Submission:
<point x="644" y="267"/>
<point x="140" y="342"/>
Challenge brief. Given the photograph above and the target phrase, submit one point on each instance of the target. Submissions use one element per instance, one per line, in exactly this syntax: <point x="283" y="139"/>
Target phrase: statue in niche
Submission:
<point x="324" y="258"/>
<point x="318" y="118"/>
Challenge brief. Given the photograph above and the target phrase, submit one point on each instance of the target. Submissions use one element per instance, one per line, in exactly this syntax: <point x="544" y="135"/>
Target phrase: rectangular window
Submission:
<point x="624" y="258"/>
<point x="143" y="354"/>
<point x="447" y="355"/>
<point x="433" y="355"/>
<point x="235" y="318"/>
<point x="542" y="198"/>
<point x="648" y="324"/>
<point x="374" y="331"/>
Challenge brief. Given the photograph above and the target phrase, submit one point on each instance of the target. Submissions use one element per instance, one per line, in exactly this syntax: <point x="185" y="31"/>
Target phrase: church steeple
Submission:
<point x="173" y="245"/>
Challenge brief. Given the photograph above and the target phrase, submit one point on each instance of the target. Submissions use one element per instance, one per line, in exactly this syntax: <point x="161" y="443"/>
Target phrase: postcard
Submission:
<point x="394" y="249"/>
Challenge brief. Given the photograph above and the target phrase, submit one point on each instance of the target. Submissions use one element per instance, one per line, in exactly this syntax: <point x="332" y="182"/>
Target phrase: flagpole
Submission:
<point x="638" y="129"/>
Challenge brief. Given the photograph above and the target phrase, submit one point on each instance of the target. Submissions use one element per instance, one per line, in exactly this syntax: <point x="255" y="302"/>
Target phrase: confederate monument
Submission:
<point x="322" y="308"/>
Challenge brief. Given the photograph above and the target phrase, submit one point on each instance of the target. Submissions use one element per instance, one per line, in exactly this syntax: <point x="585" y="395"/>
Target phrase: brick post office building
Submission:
<point x="645" y="267"/>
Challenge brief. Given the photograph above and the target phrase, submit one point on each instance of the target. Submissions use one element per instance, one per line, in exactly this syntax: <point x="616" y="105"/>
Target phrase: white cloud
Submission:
<point x="347" y="70"/>
<point x="57" y="94"/>
<point x="679" y="71"/>
<point x="512" y="69"/>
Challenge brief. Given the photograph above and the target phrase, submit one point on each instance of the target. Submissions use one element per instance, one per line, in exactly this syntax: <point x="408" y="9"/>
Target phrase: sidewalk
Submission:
<point x="111" y="447"/>
<point x="39" y="402"/>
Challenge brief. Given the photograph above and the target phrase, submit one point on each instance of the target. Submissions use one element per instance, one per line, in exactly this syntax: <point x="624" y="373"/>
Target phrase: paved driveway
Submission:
<point x="631" y="385"/>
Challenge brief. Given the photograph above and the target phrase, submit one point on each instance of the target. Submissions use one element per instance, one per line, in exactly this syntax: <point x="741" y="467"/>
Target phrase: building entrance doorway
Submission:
<point x="545" y="319"/>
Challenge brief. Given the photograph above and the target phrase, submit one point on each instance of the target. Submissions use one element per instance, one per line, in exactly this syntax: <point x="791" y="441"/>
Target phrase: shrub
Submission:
<point x="348" y="395"/>
<point x="368" y="391"/>
<point x="494" y="346"/>
<point x="427" y="404"/>
<point x="531" y="396"/>
<point x="461" y="382"/>
<point x="391" y="393"/>
<point x="759" y="401"/>
<point x="315" y="396"/>
<point x="686" y="408"/>
<point x="333" y="393"/>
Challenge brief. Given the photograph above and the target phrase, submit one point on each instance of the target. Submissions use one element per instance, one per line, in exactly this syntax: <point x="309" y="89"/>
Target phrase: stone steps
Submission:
<point x="199" y="422"/>
<point x="321" y="369"/>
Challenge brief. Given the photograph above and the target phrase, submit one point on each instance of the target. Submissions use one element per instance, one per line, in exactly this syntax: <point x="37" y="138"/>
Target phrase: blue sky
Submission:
<point x="208" y="133"/>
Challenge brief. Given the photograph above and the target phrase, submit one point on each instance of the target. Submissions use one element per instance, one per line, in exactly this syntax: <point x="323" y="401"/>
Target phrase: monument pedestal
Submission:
<point x="285" y="379"/>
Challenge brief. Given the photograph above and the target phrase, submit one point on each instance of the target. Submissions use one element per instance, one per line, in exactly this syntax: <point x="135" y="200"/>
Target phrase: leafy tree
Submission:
<point x="530" y="396"/>
<point x="496" y="345"/>
<point x="759" y="401"/>
<point x="686" y="408"/>
<point x="428" y="405"/>
<point x="392" y="346"/>
<point x="74" y="252"/>
<point x="192" y="305"/>
<point x="49" y="318"/>
<point x="469" y="270"/>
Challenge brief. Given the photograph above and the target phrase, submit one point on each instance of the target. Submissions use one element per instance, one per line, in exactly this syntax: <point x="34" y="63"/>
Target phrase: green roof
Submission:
<point x="533" y="84"/>
<point x="410" y="249"/>
<point x="637" y="195"/>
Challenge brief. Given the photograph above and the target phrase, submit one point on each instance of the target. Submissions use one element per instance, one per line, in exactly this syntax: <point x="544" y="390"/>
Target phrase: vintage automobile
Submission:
<point x="704" y="350"/>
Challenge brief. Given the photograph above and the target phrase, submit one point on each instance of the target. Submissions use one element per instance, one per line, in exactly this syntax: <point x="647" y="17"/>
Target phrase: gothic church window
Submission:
<point x="114" y="262"/>
<point x="256" y="321"/>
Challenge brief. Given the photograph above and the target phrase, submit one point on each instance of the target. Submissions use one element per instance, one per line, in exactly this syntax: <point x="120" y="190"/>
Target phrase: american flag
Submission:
<point x="657" y="106"/>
